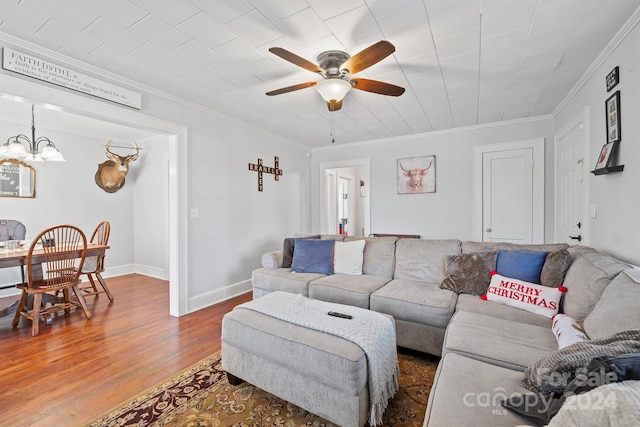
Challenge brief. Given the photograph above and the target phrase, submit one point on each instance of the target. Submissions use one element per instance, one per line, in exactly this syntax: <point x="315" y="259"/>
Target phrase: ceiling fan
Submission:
<point x="335" y="67"/>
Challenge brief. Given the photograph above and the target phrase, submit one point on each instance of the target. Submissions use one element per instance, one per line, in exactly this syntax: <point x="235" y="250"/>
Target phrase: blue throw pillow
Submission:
<point x="313" y="256"/>
<point x="523" y="265"/>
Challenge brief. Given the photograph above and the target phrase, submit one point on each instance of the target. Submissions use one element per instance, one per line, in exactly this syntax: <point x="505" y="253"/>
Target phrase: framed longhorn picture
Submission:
<point x="417" y="175"/>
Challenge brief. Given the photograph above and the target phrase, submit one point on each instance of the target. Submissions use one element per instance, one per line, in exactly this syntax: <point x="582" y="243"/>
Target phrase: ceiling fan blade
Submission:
<point x="295" y="59"/>
<point x="367" y="57"/>
<point x="334" y="105"/>
<point x="375" y="86"/>
<point x="291" y="88"/>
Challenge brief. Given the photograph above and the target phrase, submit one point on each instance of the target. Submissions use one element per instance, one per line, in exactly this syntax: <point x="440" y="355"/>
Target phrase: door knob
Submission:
<point x="578" y="237"/>
<point x="488" y="230"/>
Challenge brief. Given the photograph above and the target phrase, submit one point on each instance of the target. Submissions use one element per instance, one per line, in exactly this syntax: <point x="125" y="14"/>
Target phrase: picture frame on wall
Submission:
<point x="606" y="154"/>
<point x="416" y="175"/>
<point x="612" y="105"/>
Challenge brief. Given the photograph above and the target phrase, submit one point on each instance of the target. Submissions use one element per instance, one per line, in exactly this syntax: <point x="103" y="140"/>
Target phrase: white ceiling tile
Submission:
<point x="19" y="17"/>
<point x="224" y="11"/>
<point x="508" y="17"/>
<point x="459" y="44"/>
<point x="382" y="8"/>
<point x="191" y="72"/>
<point x="434" y="6"/>
<point x="110" y="33"/>
<point x="116" y="58"/>
<point x="326" y="10"/>
<point x="460" y="64"/>
<point x="276" y="10"/>
<point x="550" y="41"/>
<point x="504" y="42"/>
<point x="154" y="54"/>
<point x="159" y="32"/>
<point x="120" y="12"/>
<point x="227" y="70"/>
<point x="500" y="62"/>
<point x="64" y="12"/>
<point x="549" y="58"/>
<point x="305" y="26"/>
<point x="197" y="53"/>
<point x="68" y="37"/>
<point x="152" y="74"/>
<point x="455" y="20"/>
<point x="206" y="30"/>
<point x="560" y="15"/>
<point x="238" y="52"/>
<point x="354" y="25"/>
<point x="254" y="29"/>
<point x="172" y="12"/>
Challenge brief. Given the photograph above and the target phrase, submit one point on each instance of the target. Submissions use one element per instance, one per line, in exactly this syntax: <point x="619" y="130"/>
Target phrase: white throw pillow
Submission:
<point x="348" y="257"/>
<point x="567" y="330"/>
<point x="524" y="295"/>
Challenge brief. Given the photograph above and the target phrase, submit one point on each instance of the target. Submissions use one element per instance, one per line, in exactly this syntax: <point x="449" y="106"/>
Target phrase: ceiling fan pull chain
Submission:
<point x="333" y="128"/>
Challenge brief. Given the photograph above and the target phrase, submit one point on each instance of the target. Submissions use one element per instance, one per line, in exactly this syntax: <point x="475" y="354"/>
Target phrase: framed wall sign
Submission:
<point x="17" y="179"/>
<point x="612" y="106"/>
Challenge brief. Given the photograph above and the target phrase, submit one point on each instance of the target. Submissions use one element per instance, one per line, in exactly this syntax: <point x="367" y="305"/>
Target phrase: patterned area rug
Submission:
<point x="200" y="396"/>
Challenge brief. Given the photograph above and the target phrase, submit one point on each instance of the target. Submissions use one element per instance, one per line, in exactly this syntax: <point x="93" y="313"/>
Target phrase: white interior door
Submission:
<point x="508" y="196"/>
<point x="570" y="194"/>
<point x="509" y="192"/>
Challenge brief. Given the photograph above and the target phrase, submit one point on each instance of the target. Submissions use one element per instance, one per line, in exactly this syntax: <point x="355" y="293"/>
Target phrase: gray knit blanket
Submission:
<point x="552" y="374"/>
<point x="371" y="331"/>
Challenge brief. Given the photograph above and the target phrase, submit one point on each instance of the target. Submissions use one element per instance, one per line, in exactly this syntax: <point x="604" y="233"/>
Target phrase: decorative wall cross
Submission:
<point x="260" y="168"/>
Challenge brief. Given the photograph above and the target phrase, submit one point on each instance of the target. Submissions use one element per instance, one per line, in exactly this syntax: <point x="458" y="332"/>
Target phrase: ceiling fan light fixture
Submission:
<point x="333" y="90"/>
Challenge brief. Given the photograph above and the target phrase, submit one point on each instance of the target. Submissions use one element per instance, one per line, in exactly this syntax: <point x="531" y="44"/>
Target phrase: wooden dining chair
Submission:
<point x="94" y="265"/>
<point x="54" y="261"/>
<point x="11" y="229"/>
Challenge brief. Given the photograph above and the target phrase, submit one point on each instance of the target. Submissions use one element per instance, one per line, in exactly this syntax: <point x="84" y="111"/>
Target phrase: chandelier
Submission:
<point x="14" y="148"/>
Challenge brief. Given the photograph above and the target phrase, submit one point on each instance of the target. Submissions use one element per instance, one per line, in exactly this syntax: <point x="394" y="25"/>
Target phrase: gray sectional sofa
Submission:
<point x="486" y="348"/>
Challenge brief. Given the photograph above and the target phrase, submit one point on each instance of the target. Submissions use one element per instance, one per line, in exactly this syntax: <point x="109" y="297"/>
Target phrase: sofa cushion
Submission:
<point x="281" y="279"/>
<point x="288" y="247"/>
<point x="346" y="289"/>
<point x="522" y="265"/>
<point x="422" y="259"/>
<point x="527" y="296"/>
<point x="587" y="277"/>
<point x="469" y="273"/>
<point x="617" y="310"/>
<point x="555" y="268"/>
<point x="313" y="256"/>
<point x="473" y="304"/>
<point x="466" y="392"/>
<point x="418" y="302"/>
<point x="499" y="342"/>
<point x="347" y="257"/>
<point x="379" y="255"/>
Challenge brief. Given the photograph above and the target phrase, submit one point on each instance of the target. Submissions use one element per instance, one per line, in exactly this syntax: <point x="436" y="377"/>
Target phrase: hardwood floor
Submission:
<point x="76" y="369"/>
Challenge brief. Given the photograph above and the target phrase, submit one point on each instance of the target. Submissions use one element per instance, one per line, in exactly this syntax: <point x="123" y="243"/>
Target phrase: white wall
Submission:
<point x="447" y="213"/>
<point x="615" y="229"/>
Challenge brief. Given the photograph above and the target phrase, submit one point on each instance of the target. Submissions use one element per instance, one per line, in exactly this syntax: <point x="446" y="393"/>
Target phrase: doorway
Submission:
<point x="509" y="192"/>
<point x="32" y="92"/>
<point x="572" y="224"/>
<point x="344" y="201"/>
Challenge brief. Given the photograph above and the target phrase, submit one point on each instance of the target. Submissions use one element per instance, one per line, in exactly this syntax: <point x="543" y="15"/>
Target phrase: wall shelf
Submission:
<point x="609" y="169"/>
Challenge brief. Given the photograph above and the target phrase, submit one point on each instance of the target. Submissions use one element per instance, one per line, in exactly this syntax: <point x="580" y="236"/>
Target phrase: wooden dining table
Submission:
<point x="18" y="257"/>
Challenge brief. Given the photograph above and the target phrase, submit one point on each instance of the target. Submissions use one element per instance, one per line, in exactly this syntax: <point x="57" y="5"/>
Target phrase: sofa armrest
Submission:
<point x="272" y="259"/>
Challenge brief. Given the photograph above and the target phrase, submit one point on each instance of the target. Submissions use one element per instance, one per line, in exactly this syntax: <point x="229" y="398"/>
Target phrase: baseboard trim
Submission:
<point x="218" y="295"/>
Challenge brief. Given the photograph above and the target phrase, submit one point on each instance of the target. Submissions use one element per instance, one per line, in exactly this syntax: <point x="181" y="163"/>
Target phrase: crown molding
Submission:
<point x="622" y="34"/>
<point x="436" y="133"/>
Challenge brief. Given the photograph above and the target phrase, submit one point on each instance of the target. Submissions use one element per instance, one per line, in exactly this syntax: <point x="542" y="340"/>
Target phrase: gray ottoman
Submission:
<point x="322" y="373"/>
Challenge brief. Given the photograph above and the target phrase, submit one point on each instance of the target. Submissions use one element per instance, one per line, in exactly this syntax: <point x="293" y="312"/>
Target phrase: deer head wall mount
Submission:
<point x="111" y="173"/>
